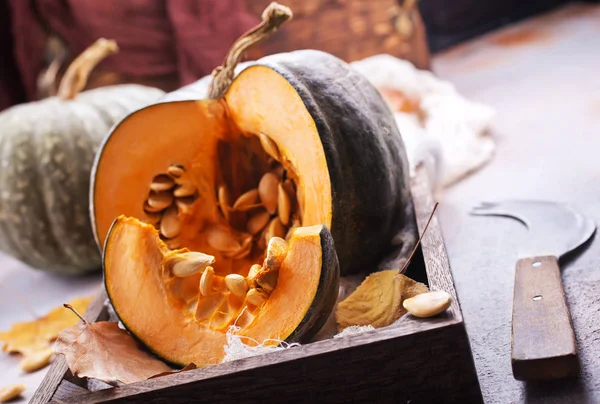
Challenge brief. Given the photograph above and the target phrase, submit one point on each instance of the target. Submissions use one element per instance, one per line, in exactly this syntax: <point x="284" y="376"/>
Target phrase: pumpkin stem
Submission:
<point x="419" y="241"/>
<point x="274" y="15"/>
<point x="68" y="306"/>
<point x="76" y="76"/>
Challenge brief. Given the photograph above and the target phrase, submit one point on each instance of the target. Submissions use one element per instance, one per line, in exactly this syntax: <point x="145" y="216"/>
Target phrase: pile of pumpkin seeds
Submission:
<point x="272" y="208"/>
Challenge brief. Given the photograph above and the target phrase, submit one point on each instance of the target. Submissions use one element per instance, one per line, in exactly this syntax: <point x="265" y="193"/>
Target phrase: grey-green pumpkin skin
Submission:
<point x="47" y="149"/>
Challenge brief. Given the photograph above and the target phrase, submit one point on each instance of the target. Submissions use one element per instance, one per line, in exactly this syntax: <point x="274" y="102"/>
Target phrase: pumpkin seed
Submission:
<point x="224" y="200"/>
<point x="428" y="304"/>
<point x="254" y="270"/>
<point x="222" y="239"/>
<point x="36" y="360"/>
<point x="267" y="191"/>
<point x="175" y="171"/>
<point x="274" y="229"/>
<point x="246" y="208"/>
<point x="291" y="171"/>
<point x="243" y="251"/>
<point x="237" y="285"/>
<point x="152" y="218"/>
<point x="267" y="280"/>
<point x="185" y="204"/>
<point x="188" y="263"/>
<point x="185" y="189"/>
<point x="256" y="297"/>
<point x="270" y="146"/>
<point x="173" y="243"/>
<point x="276" y="252"/>
<point x="246" y="199"/>
<point x="170" y="226"/>
<point x="150" y="209"/>
<point x="279" y="171"/>
<point x="206" y="281"/>
<point x="160" y="200"/>
<point x="162" y="182"/>
<point x="284" y="205"/>
<point x="10" y="392"/>
<point x="257" y="222"/>
<point x="295" y="223"/>
<point x="290" y="188"/>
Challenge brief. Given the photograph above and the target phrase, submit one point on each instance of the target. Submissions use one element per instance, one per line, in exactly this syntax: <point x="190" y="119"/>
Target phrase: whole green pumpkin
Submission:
<point x="47" y="149"/>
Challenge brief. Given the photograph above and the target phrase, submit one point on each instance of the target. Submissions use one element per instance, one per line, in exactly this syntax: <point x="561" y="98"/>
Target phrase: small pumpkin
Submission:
<point x="181" y="309"/>
<point x="295" y="139"/>
<point x="47" y="149"/>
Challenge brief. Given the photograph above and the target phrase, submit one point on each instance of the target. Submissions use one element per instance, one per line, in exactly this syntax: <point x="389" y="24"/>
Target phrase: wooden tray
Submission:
<point x="413" y="360"/>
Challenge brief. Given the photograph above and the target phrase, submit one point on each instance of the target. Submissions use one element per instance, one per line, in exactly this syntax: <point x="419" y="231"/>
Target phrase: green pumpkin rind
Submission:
<point x="365" y="153"/>
<point x="326" y="295"/>
<point x="47" y="150"/>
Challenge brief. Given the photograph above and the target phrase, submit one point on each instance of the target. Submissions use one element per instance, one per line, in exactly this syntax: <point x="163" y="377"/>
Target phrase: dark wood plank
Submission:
<point x="58" y="369"/>
<point x="435" y="256"/>
<point x="427" y="365"/>
<point x="67" y="390"/>
<point x="543" y="340"/>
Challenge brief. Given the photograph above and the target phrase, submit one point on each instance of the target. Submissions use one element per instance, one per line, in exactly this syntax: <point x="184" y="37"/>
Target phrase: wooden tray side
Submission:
<point x="411" y="360"/>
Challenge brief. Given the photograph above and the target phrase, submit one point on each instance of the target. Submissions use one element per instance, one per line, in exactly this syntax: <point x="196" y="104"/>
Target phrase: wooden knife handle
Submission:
<point x="543" y="341"/>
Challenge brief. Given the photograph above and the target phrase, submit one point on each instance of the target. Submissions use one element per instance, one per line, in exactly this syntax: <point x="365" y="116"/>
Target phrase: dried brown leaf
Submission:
<point x="32" y="336"/>
<point x="377" y="301"/>
<point x="105" y="352"/>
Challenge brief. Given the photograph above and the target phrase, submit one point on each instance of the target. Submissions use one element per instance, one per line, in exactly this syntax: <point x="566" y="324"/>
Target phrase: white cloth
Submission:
<point x="453" y="139"/>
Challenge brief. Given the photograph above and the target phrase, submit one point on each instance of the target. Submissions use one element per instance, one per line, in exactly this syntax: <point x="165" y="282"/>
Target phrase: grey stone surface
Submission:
<point x="546" y="91"/>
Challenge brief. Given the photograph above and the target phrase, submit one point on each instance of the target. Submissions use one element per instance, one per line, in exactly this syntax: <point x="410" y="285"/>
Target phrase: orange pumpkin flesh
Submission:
<point x="171" y="317"/>
<point x="216" y="142"/>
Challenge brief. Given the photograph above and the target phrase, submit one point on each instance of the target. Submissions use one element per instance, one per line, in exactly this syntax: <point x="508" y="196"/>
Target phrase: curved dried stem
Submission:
<point x="68" y="306"/>
<point x="76" y="76"/>
<point x="274" y="15"/>
<point x="419" y="241"/>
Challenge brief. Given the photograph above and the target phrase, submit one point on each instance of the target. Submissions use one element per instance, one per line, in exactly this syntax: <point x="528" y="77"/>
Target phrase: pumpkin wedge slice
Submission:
<point x="182" y="312"/>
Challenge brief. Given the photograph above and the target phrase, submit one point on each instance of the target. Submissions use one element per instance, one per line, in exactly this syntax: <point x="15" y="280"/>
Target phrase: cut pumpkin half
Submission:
<point x="180" y="304"/>
<point x="295" y="139"/>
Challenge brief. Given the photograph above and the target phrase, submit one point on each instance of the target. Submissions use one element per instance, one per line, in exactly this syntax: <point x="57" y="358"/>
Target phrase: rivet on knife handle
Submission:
<point x="543" y="341"/>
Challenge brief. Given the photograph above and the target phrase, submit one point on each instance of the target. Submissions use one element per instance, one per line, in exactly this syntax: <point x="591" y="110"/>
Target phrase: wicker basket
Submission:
<point x="349" y="29"/>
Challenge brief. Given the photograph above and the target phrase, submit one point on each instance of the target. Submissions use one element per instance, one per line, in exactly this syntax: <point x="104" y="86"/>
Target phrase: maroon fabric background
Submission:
<point x="156" y="37"/>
